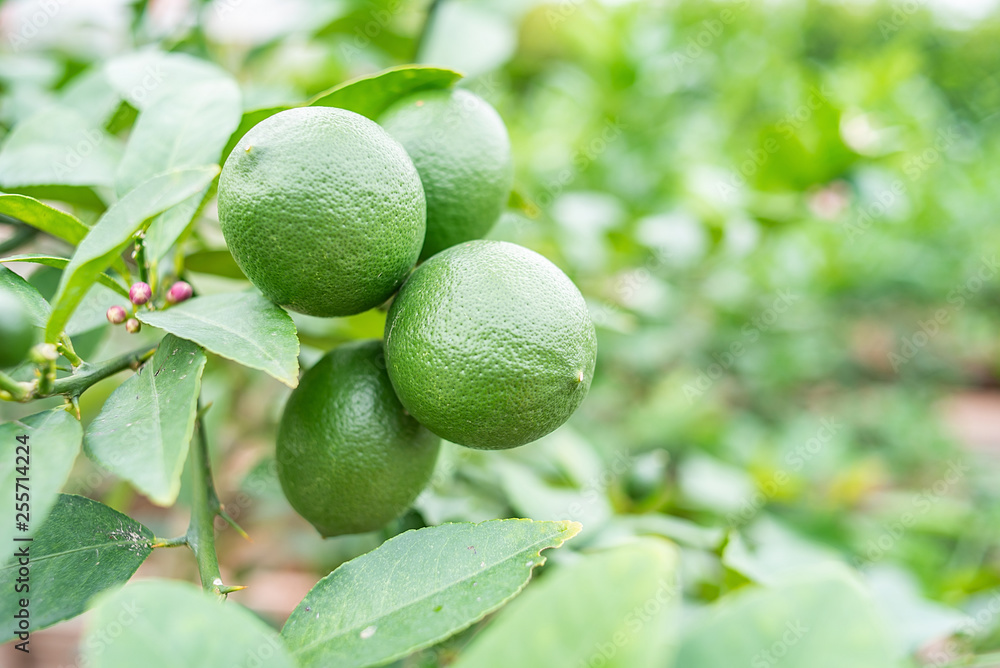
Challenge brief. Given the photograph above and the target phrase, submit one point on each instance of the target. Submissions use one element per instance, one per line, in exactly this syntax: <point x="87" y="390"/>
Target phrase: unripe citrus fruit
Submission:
<point x="490" y="345"/>
<point x="17" y="334"/>
<point x="322" y="210"/>
<point x="461" y="149"/>
<point x="349" y="457"/>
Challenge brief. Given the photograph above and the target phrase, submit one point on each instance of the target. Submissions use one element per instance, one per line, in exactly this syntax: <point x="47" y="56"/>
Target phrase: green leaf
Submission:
<point x="113" y="232"/>
<point x="83" y="196"/>
<point x="144" y="429"/>
<point x="613" y="608"/>
<point x="371" y="95"/>
<point x="83" y="549"/>
<point x="60" y="263"/>
<point x="53" y="443"/>
<point x="416" y="590"/>
<point x="167" y="623"/>
<point x="185" y="129"/>
<point x="166" y="229"/>
<point x="822" y="619"/>
<point x="215" y="262"/>
<point x="143" y="78"/>
<point x="43" y="217"/>
<point x="244" y="327"/>
<point x="57" y="146"/>
<point x="30" y="298"/>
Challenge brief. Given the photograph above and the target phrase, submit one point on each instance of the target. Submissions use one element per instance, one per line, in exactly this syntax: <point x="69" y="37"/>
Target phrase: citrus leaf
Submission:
<point x="170" y="623"/>
<point x="56" y="146"/>
<point x="144" y="429"/>
<point x="416" y="590"/>
<point x="167" y="228"/>
<point x="84" y="548"/>
<point x="113" y="232"/>
<point x="215" y="262"/>
<point x="27" y="294"/>
<point x="53" y="443"/>
<point x="185" y="129"/>
<point x="822" y="619"/>
<point x="143" y="78"/>
<point x="614" y="607"/>
<point x="244" y="327"/>
<point x="371" y="95"/>
<point x="43" y="217"/>
<point x="60" y="263"/>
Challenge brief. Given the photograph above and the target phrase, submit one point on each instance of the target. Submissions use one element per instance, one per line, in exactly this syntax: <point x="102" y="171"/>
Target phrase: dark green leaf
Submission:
<point x="83" y="549"/>
<point x="53" y="443"/>
<point x="144" y="429"/>
<point x="60" y="263"/>
<point x="371" y="95"/>
<point x="244" y="327"/>
<point x="32" y="301"/>
<point x="43" y="217"/>
<point x="416" y="590"/>
<point x="113" y="232"/>
<point x="166" y="623"/>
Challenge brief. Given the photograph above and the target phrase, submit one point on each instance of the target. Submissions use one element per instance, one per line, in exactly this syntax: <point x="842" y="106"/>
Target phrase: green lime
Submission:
<point x="460" y="147"/>
<point x="17" y="333"/>
<point x="322" y="210"/>
<point x="490" y="345"/>
<point x="349" y="457"/>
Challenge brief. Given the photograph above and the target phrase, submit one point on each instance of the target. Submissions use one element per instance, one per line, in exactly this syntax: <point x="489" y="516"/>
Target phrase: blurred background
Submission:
<point x="783" y="215"/>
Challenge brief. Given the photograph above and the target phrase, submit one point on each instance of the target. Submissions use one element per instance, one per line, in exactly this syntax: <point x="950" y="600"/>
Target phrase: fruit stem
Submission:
<point x="89" y="374"/>
<point x="17" y="391"/>
<point x="432" y="10"/>
<point x="204" y="507"/>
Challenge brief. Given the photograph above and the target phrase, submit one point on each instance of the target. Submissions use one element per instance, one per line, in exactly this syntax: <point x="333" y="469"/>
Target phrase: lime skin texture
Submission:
<point x="349" y="458"/>
<point x="461" y="149"/>
<point x="322" y="210"/>
<point x="490" y="345"/>
<point x="17" y="333"/>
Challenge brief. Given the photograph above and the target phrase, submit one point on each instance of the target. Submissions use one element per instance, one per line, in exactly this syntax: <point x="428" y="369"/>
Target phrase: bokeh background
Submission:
<point x="783" y="215"/>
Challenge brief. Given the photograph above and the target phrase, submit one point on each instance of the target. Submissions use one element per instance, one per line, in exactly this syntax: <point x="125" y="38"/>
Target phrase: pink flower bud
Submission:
<point x="117" y="315"/>
<point x="140" y="293"/>
<point x="179" y="292"/>
<point x="133" y="325"/>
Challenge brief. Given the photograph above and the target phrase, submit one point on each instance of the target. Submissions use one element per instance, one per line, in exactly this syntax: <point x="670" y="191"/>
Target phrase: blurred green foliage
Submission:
<point x="784" y="218"/>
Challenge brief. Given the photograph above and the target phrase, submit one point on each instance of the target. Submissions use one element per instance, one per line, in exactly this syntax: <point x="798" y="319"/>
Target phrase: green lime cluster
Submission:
<point x="487" y="344"/>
